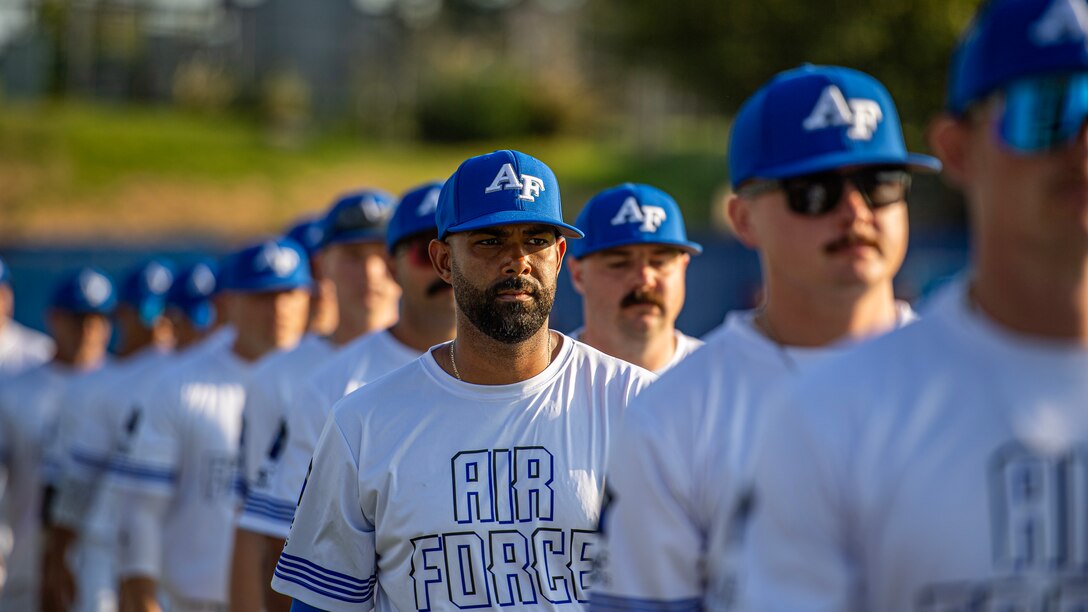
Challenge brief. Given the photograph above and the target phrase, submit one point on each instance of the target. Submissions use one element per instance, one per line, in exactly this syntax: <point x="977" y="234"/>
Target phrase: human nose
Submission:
<point x="517" y="260"/>
<point x="852" y="204"/>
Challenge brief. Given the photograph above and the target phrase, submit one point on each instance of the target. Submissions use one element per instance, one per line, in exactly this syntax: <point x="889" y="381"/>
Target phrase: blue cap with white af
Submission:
<point x="815" y="119"/>
<point x="145" y="288"/>
<point x="415" y="214"/>
<point x="1012" y="39"/>
<point x="360" y="216"/>
<point x="310" y="233"/>
<point x="501" y="188"/>
<point x="273" y="265"/>
<point x="631" y="214"/>
<point x="87" y="290"/>
<point x="192" y="292"/>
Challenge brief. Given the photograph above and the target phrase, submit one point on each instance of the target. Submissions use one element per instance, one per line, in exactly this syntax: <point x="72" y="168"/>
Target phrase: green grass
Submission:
<point x="88" y="151"/>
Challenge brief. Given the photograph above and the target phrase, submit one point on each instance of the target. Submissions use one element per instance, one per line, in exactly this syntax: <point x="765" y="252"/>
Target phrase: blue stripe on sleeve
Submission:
<point x="598" y="602"/>
<point x="142" y="472"/>
<point x="325" y="590"/>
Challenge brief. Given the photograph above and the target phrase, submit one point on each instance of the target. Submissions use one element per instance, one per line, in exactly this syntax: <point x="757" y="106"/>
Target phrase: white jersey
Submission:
<point x="185" y="447"/>
<point x="428" y="493"/>
<point x="22" y="348"/>
<point x="272" y="394"/>
<point x="942" y="468"/>
<point x="92" y="428"/>
<point x="29" y="404"/>
<point x="679" y="469"/>
<point x="685" y="345"/>
<point x="358" y="363"/>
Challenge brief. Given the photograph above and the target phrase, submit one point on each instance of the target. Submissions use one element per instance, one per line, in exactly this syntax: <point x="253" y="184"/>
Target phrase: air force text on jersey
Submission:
<point x="503" y="488"/>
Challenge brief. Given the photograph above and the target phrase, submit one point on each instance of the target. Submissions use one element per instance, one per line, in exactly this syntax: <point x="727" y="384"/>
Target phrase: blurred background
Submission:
<point x="187" y="127"/>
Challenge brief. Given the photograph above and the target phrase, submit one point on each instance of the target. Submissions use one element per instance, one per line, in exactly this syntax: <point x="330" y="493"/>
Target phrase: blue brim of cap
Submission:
<point x="151" y="309"/>
<point x="284" y="285"/>
<point x="202" y="314"/>
<point x="689" y="247"/>
<point x="511" y="217"/>
<point x="353" y="237"/>
<point x="915" y="161"/>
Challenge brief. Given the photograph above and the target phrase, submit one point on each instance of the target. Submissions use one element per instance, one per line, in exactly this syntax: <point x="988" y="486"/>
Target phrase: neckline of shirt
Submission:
<point x="516" y="390"/>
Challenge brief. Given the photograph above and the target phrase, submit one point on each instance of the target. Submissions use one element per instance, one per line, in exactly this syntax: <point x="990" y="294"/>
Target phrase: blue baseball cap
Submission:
<point x="501" y="188"/>
<point x="5" y="274"/>
<point x="817" y="118"/>
<point x="631" y="214"/>
<point x="310" y="233"/>
<point x="1013" y="39"/>
<point x="274" y="265"/>
<point x="87" y="290"/>
<point x="360" y="216"/>
<point x="145" y="288"/>
<point x="415" y="214"/>
<point x="192" y="292"/>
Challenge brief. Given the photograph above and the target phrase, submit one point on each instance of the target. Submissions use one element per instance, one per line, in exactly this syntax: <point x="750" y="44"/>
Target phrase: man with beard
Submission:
<point x="821" y="192"/>
<point x="630" y="270"/>
<point x="472" y="476"/>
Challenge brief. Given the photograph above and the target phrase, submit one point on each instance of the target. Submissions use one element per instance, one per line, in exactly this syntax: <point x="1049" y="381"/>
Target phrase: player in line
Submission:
<point x="190" y="306"/>
<point x="822" y="179"/>
<point x="426" y="319"/>
<point x="83" y="526"/>
<point x="179" y="463"/>
<point x="21" y="348"/>
<point x="943" y="467"/>
<point x="78" y="320"/>
<point x="350" y="255"/>
<point x="630" y="270"/>
<point x="473" y="475"/>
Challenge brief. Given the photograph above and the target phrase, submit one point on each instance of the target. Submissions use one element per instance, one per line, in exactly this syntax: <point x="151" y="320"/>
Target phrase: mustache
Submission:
<point x="437" y="287"/>
<point x="851" y="239"/>
<point x="514" y="283"/>
<point x="641" y="296"/>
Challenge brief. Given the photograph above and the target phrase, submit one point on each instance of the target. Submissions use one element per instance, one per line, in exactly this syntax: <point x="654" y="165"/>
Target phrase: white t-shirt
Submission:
<point x="271" y="508"/>
<point x="685" y="345"/>
<point x="429" y="493"/>
<point x="29" y="404"/>
<point x="679" y="469"/>
<point x="271" y="396"/>
<point x="185" y="447"/>
<point x="22" y="348"/>
<point x="944" y="467"/>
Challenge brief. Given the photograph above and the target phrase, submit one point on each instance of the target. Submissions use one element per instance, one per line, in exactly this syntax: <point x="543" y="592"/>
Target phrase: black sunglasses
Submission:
<point x="818" y="194"/>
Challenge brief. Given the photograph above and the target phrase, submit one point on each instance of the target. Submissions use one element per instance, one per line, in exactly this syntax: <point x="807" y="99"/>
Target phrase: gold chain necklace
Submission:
<point x="453" y="360"/>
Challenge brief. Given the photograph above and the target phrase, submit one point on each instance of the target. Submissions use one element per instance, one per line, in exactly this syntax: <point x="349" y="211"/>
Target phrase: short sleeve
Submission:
<point x="329" y="561"/>
<point x="265" y="433"/>
<point x="149" y="451"/>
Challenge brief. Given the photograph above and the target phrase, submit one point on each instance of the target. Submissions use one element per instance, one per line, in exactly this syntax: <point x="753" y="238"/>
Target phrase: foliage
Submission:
<point x="726" y="50"/>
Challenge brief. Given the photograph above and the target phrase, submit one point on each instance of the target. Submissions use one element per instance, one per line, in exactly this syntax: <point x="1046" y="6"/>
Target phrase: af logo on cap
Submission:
<point x="429" y="203"/>
<point x="95" y="287"/>
<point x="282" y="261"/>
<point x="529" y="186"/>
<point x="1065" y="21"/>
<point x="651" y="217"/>
<point x="157" y="278"/>
<point x="202" y="280"/>
<point x="832" y="110"/>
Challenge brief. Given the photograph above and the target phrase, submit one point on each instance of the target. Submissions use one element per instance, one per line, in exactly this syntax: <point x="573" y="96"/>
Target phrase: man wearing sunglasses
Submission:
<point x="426" y="319"/>
<point x="630" y="270"/>
<point x="944" y="467"/>
<point x="350" y="254"/>
<point x="822" y="180"/>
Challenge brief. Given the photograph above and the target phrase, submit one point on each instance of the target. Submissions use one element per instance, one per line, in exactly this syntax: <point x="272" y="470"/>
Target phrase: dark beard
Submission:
<point x="507" y="322"/>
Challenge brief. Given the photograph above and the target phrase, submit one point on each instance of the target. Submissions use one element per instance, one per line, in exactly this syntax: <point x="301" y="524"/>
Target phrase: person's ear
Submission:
<point x="439" y="251"/>
<point x="739" y="210"/>
<point x="949" y="138"/>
